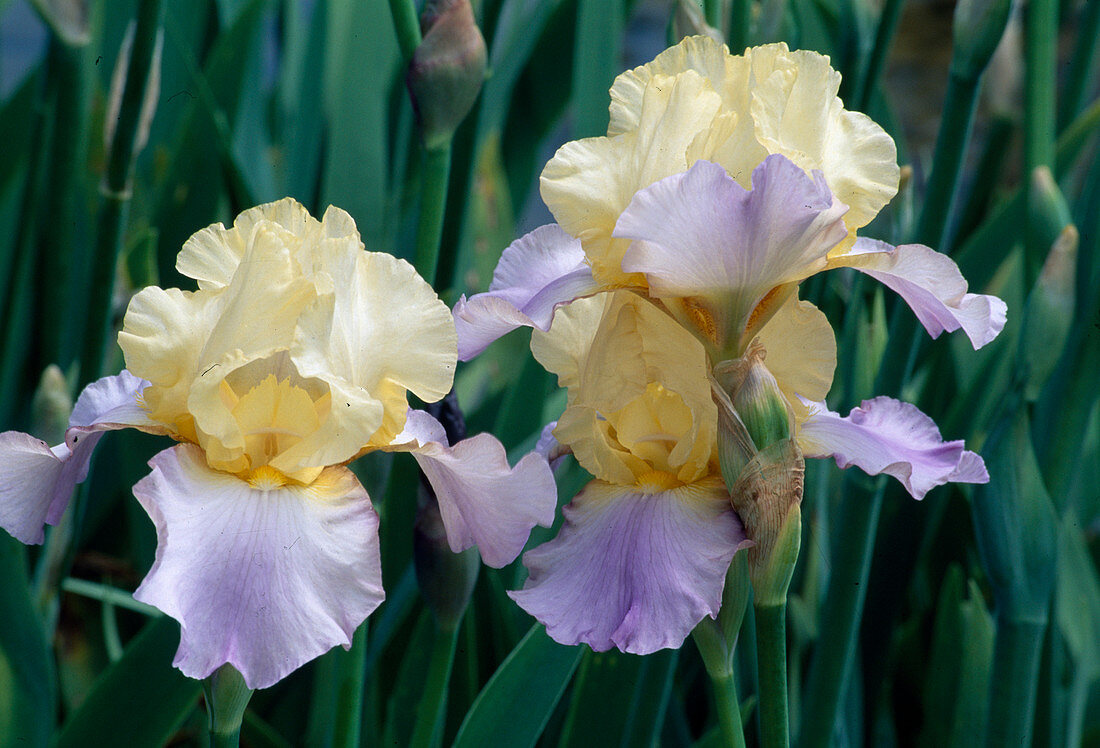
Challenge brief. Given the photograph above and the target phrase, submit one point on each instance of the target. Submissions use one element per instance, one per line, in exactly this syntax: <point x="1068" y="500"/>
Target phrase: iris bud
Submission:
<point x="447" y="69"/>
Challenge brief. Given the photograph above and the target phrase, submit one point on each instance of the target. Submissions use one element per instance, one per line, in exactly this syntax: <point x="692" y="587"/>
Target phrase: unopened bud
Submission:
<point x="977" y="30"/>
<point x="447" y="69"/>
<point x="51" y="406"/>
<point x="227" y="696"/>
<point x="756" y="397"/>
<point x="1049" y="311"/>
<point x="768" y="498"/>
<point x="446" y="578"/>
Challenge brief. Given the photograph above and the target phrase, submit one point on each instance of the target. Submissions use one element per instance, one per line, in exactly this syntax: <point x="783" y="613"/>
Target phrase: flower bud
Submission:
<point x="446" y="578"/>
<point x="755" y="397"/>
<point x="447" y="69"/>
<point x="768" y="498"/>
<point x="227" y="696"/>
<point x="51" y="406"/>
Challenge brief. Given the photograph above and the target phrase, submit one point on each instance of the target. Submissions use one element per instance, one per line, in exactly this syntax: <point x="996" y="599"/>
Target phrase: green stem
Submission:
<point x="740" y="30"/>
<point x="407" y="27"/>
<point x="716" y="653"/>
<point x="1015" y="674"/>
<point x="433" y="705"/>
<point x="884" y="38"/>
<point x="729" y="710"/>
<point x="954" y="134"/>
<point x="840" y="615"/>
<point x="1040" y="84"/>
<point x="1082" y="64"/>
<point x="116" y="190"/>
<point x="771" y="649"/>
<point x="433" y="203"/>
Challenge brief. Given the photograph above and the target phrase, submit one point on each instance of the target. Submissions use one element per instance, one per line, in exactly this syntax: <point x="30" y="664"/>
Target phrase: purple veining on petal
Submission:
<point x="265" y="580"/>
<point x="700" y="233"/>
<point x="633" y="570"/>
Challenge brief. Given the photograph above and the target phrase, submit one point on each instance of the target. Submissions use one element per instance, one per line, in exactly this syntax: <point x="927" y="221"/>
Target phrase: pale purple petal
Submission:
<point x="699" y="233"/>
<point x="884" y="435"/>
<point x="932" y="286"/>
<point x="536" y="273"/>
<point x="29" y="475"/>
<point x="36" y="482"/>
<point x="265" y="580"/>
<point x="482" y="500"/>
<point x="633" y="570"/>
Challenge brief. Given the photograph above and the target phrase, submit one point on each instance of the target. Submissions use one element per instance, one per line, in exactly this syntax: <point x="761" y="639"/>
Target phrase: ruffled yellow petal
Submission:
<point x="800" y="352"/>
<point x="298" y="349"/>
<point x="655" y="413"/>
<point x="588" y="183"/>
<point x="381" y="332"/>
<point x="797" y="113"/>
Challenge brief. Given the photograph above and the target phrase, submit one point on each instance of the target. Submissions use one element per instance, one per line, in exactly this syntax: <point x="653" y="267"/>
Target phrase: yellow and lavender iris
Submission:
<point x="291" y="359"/>
<point x="722" y="183"/>
<point x="643" y="553"/>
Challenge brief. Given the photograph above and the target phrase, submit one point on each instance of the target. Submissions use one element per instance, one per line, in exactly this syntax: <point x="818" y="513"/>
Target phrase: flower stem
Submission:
<point x="729" y="710"/>
<point x="716" y="652"/>
<point x="433" y="704"/>
<point x="1040" y="84"/>
<point x="771" y="653"/>
<point x="954" y="134"/>
<point x="840" y="616"/>
<point x="1015" y="674"/>
<point x="433" y="203"/>
<point x="407" y="27"/>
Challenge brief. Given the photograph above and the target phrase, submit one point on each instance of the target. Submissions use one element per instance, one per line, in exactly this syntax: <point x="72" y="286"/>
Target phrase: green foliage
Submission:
<point x="908" y="619"/>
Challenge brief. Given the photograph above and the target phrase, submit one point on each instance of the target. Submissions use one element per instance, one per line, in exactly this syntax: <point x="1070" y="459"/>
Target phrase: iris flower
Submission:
<point x="643" y="553"/>
<point x="291" y="359"/>
<point x="723" y="182"/>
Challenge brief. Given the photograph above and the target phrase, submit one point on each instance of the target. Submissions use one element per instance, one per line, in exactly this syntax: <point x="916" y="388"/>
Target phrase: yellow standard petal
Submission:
<point x="298" y="349"/>
<point x="800" y="352"/>
<point x="588" y="183"/>
<point x="655" y="414"/>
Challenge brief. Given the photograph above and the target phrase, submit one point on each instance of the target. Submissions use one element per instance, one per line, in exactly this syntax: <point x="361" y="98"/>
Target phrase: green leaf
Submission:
<point x="140" y="700"/>
<point x="956" y="688"/>
<point x="619" y="699"/>
<point x="27" y="689"/>
<point x="517" y="702"/>
<point x="405" y="695"/>
<point x="361" y="63"/>
<point x="1014" y="522"/>
<point x="1077" y="598"/>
